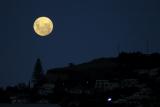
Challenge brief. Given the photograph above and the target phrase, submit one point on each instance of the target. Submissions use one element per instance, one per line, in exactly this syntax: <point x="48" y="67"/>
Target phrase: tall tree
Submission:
<point x="38" y="74"/>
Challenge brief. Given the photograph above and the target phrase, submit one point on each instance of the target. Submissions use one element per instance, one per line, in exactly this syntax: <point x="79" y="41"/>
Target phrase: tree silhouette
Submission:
<point x="38" y="74"/>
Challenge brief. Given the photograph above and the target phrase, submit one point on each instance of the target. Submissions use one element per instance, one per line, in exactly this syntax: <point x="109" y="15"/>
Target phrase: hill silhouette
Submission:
<point x="128" y="80"/>
<point x="132" y="79"/>
<point x="116" y="65"/>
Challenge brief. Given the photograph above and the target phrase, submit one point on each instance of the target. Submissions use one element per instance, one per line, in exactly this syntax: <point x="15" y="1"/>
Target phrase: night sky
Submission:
<point x="84" y="30"/>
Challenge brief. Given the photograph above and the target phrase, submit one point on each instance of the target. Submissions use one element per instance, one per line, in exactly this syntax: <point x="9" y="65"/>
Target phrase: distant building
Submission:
<point x="46" y="89"/>
<point x="105" y="85"/>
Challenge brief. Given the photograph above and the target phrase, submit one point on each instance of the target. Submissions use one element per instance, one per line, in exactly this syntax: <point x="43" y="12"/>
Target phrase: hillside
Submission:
<point x="131" y="79"/>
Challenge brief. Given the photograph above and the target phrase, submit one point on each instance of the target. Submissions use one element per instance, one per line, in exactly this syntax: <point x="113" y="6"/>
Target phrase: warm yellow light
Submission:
<point x="43" y="26"/>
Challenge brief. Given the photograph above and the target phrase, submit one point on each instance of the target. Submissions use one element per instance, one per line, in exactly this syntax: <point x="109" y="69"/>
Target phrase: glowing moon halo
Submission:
<point x="43" y="26"/>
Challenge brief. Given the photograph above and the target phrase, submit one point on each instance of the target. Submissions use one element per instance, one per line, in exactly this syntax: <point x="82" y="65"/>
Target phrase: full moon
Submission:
<point x="43" y="26"/>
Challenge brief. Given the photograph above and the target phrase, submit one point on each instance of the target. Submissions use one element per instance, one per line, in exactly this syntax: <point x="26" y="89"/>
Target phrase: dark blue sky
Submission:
<point x="84" y="30"/>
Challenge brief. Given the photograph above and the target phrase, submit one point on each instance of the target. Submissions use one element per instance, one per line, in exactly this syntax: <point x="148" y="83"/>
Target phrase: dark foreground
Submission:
<point x="28" y="105"/>
<point x="129" y="80"/>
